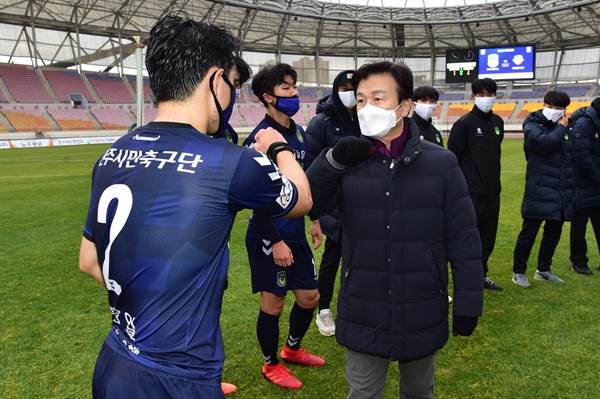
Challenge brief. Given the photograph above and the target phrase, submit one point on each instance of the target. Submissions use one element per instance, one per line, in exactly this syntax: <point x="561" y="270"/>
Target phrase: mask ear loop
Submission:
<point x="219" y="109"/>
<point x="274" y="105"/>
<point x="401" y="117"/>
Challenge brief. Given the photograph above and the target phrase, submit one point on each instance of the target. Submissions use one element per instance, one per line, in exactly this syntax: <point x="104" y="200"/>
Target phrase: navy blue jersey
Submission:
<point x="290" y="230"/>
<point x="163" y="201"/>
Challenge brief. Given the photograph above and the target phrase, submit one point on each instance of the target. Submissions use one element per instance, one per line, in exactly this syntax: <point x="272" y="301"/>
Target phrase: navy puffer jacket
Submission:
<point x="586" y="157"/>
<point x="404" y="219"/>
<point x="549" y="177"/>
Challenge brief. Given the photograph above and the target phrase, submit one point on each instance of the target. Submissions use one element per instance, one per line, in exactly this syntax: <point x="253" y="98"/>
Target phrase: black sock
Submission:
<point x="300" y="320"/>
<point x="267" y="331"/>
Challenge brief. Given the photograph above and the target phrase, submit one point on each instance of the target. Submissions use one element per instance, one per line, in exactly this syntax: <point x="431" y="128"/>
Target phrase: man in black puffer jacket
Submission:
<point x="548" y="195"/>
<point x="406" y="213"/>
<point x="335" y="119"/>
<point x="586" y="161"/>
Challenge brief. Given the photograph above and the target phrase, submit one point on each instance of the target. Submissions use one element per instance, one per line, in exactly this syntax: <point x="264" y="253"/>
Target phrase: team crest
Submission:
<point x="281" y="280"/>
<point x="497" y="130"/>
<point x="299" y="136"/>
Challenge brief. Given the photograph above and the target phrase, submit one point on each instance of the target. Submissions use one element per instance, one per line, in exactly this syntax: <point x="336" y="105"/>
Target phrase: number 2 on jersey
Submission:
<point x="124" y="198"/>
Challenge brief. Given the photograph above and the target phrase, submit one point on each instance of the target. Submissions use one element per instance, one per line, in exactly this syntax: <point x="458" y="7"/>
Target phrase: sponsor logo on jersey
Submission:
<point x="144" y="138"/>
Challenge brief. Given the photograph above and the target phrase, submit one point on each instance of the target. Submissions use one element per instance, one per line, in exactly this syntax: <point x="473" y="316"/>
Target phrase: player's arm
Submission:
<point x="457" y="139"/>
<point x="289" y="167"/>
<point x="88" y="260"/>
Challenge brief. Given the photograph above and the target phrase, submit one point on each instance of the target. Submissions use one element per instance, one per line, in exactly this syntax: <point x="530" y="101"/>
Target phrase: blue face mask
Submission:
<point x="287" y="105"/>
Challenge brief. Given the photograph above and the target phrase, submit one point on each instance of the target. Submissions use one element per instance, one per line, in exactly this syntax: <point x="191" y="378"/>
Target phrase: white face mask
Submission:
<point x="485" y="104"/>
<point x="425" y="111"/>
<point x="376" y="122"/>
<point x="553" y="114"/>
<point x="347" y="98"/>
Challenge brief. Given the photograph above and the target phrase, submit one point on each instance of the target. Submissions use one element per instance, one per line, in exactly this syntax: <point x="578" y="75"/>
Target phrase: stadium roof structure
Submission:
<point x="349" y="28"/>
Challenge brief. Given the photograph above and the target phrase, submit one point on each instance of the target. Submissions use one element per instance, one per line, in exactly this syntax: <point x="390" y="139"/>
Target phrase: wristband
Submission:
<point x="276" y="148"/>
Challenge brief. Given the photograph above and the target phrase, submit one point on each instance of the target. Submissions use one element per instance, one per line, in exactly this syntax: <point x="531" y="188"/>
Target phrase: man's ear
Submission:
<point x="268" y="98"/>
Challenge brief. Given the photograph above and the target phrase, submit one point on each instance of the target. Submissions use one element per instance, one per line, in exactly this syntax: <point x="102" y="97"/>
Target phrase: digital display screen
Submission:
<point x="507" y="63"/>
<point x="461" y="65"/>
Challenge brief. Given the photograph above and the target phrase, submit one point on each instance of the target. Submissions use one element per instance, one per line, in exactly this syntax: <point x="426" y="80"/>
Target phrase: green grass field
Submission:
<point x="534" y="343"/>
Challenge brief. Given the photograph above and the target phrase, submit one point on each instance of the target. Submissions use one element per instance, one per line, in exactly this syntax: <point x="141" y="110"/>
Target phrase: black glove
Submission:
<point x="350" y="151"/>
<point x="462" y="325"/>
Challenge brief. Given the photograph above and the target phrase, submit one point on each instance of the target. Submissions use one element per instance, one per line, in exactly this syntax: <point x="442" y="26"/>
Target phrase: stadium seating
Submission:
<point x="147" y="91"/>
<point x="325" y="92"/>
<point x="253" y="96"/>
<point x="252" y="114"/>
<point x="526" y="110"/>
<point x="451" y="96"/>
<point x="597" y="91"/>
<point x="149" y="113"/>
<point x="27" y="119"/>
<point x="456" y="111"/>
<point x="504" y="110"/>
<point x="538" y="92"/>
<point x="24" y="84"/>
<point x="112" y="118"/>
<point x="110" y="88"/>
<point x="64" y="81"/>
<point x="3" y="98"/>
<point x="574" y="106"/>
<point x="307" y="95"/>
<point x="299" y="118"/>
<point x="71" y="119"/>
<point x="574" y="91"/>
<point x="312" y="111"/>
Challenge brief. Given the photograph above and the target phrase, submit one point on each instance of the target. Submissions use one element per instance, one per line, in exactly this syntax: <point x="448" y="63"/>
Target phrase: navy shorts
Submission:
<point x="116" y="377"/>
<point x="277" y="280"/>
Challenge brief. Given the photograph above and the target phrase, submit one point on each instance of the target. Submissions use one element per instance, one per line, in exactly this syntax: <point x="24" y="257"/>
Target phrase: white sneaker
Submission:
<point x="325" y="322"/>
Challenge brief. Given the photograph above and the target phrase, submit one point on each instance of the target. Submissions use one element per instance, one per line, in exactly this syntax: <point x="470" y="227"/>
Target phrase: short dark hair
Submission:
<point x="425" y="93"/>
<point x="243" y="69"/>
<point x="400" y="72"/>
<point x="270" y="76"/>
<point x="479" y="85"/>
<point x="180" y="51"/>
<point x="557" y="98"/>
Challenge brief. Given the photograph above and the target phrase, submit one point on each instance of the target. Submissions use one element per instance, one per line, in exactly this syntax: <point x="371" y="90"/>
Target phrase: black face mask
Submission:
<point x="224" y="115"/>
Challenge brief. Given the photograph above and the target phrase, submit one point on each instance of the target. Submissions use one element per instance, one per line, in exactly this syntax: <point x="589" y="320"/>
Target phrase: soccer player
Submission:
<point x="241" y="75"/>
<point x="163" y="201"/>
<point x="548" y="196"/>
<point x="475" y="139"/>
<point x="279" y="255"/>
<point x="426" y="98"/>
